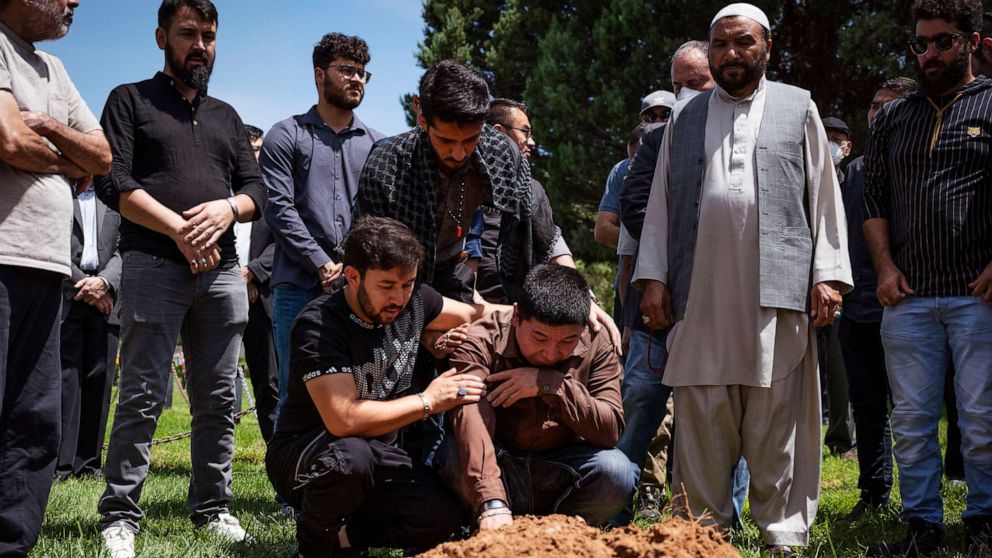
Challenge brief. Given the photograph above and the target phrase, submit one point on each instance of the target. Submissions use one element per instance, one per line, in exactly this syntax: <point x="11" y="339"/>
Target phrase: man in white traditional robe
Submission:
<point x="744" y="250"/>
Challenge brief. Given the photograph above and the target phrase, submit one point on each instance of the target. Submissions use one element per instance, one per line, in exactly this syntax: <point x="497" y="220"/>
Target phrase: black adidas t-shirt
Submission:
<point x="328" y="338"/>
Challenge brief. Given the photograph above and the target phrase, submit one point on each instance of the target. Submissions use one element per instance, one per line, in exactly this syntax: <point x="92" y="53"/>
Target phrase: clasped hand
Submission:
<point x="93" y="291"/>
<point x="206" y="223"/>
<point x="197" y="237"/>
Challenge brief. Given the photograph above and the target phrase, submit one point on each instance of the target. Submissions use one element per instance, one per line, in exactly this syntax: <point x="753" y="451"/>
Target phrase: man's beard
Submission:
<point x="339" y="98"/>
<point x="199" y="77"/>
<point x="365" y="303"/>
<point x="752" y="72"/>
<point x="46" y="21"/>
<point x="951" y="76"/>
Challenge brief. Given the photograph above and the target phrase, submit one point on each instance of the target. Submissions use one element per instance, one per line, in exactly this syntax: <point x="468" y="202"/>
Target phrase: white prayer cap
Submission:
<point x="743" y="9"/>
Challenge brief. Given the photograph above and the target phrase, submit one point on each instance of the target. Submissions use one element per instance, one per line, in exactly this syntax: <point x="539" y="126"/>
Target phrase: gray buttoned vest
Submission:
<point x="785" y="240"/>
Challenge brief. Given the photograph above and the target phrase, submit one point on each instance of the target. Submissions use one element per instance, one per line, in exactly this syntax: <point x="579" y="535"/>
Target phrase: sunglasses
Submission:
<point x="944" y="42"/>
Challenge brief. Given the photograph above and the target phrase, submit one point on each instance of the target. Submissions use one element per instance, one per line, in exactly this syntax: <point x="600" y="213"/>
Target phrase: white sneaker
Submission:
<point x="118" y="540"/>
<point x="227" y="527"/>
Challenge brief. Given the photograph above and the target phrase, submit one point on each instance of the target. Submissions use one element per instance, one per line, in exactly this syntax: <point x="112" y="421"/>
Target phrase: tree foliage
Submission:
<point x="582" y="67"/>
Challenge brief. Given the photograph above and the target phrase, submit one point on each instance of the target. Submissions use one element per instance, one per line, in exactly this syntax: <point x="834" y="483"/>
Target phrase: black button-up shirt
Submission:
<point x="181" y="153"/>
<point x="861" y="304"/>
<point x="931" y="178"/>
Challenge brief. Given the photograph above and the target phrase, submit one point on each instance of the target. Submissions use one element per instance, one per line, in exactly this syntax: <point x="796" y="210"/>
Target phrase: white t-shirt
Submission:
<point x="36" y="209"/>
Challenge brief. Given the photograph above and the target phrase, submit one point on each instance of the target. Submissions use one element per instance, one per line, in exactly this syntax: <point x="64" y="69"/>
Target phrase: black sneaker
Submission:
<point x="978" y="536"/>
<point x="921" y="539"/>
<point x="859" y="510"/>
<point x="649" y="502"/>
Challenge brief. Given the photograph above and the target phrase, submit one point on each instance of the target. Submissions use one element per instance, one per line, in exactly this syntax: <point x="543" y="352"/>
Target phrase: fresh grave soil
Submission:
<point x="564" y="536"/>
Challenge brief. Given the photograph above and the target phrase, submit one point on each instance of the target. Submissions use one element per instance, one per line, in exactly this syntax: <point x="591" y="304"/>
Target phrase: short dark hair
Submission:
<point x="169" y="8"/>
<point x="381" y="243"/>
<point x="901" y="85"/>
<point x="338" y="45"/>
<point x="966" y="15"/>
<point x="501" y="109"/>
<point x="986" y="25"/>
<point x="637" y="133"/>
<point x="254" y="133"/>
<point x="451" y="92"/>
<point x="555" y="295"/>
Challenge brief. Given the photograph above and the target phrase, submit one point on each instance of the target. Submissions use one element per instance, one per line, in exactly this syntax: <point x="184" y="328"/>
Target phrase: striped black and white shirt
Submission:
<point x="930" y="175"/>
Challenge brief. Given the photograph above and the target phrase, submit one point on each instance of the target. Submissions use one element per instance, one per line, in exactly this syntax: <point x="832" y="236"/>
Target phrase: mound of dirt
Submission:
<point x="559" y="535"/>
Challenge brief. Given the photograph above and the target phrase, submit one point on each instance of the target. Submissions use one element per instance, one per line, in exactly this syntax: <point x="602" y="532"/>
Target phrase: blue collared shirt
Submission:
<point x="312" y="175"/>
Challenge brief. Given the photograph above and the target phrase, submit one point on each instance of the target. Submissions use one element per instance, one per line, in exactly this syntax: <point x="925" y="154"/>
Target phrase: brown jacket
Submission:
<point x="580" y="400"/>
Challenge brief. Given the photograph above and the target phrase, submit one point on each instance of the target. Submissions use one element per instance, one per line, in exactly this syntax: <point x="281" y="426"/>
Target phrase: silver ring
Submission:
<point x="462" y="391"/>
<point x="646" y="319"/>
<point x="837" y="314"/>
<point x="203" y="261"/>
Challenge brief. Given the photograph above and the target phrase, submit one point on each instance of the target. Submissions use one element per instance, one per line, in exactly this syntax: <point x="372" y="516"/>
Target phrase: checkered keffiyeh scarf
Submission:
<point x="398" y="181"/>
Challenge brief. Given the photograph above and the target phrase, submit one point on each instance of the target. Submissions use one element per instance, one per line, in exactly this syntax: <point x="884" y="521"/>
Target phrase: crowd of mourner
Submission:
<point x="415" y="330"/>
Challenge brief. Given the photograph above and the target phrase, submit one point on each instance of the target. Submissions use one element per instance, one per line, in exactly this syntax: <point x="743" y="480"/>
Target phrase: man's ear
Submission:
<point x="352" y="276"/>
<point x="500" y="128"/>
<point x="421" y="121"/>
<point x="160" y="38"/>
<point x="846" y="148"/>
<point x="516" y="316"/>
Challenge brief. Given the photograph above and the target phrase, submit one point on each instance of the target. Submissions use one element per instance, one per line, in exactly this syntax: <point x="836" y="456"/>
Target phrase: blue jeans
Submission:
<point x="644" y="396"/>
<point x="578" y="479"/>
<point x="287" y="303"/>
<point x="917" y="335"/>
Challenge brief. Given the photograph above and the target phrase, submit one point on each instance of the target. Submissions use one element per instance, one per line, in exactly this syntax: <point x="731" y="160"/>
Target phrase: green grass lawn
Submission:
<point x="70" y="528"/>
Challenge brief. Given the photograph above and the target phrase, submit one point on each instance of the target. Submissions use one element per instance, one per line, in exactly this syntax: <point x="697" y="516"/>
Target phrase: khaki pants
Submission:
<point x="776" y="429"/>
<point x="655" y="469"/>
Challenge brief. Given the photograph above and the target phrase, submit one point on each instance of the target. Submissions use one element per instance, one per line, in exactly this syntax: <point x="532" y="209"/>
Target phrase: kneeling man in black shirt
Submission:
<point x="337" y="455"/>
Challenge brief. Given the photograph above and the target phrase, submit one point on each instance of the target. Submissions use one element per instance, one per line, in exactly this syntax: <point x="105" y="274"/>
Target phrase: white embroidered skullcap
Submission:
<point x="743" y="9"/>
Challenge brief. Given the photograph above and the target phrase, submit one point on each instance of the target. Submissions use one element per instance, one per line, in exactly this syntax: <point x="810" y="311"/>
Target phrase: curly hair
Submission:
<point x="966" y="15"/>
<point x="901" y="85"/>
<point x="338" y="45"/>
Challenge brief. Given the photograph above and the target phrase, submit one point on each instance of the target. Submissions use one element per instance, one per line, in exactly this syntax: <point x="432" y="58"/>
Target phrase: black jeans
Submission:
<point x="864" y="359"/>
<point x="89" y="356"/>
<point x="833" y="377"/>
<point x="953" y="459"/>
<point x="263" y="369"/>
<point x="373" y="487"/>
<point x="30" y="401"/>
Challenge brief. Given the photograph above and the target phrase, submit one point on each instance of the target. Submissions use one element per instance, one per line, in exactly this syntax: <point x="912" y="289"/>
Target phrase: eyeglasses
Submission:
<point x="528" y="133"/>
<point x="944" y="42"/>
<point x="350" y="71"/>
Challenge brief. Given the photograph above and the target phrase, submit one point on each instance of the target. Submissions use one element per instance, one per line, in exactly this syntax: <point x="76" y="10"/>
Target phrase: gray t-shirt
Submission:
<point x="36" y="209"/>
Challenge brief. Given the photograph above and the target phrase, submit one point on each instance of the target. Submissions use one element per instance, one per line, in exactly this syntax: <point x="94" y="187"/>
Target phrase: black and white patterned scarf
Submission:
<point x="398" y="181"/>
